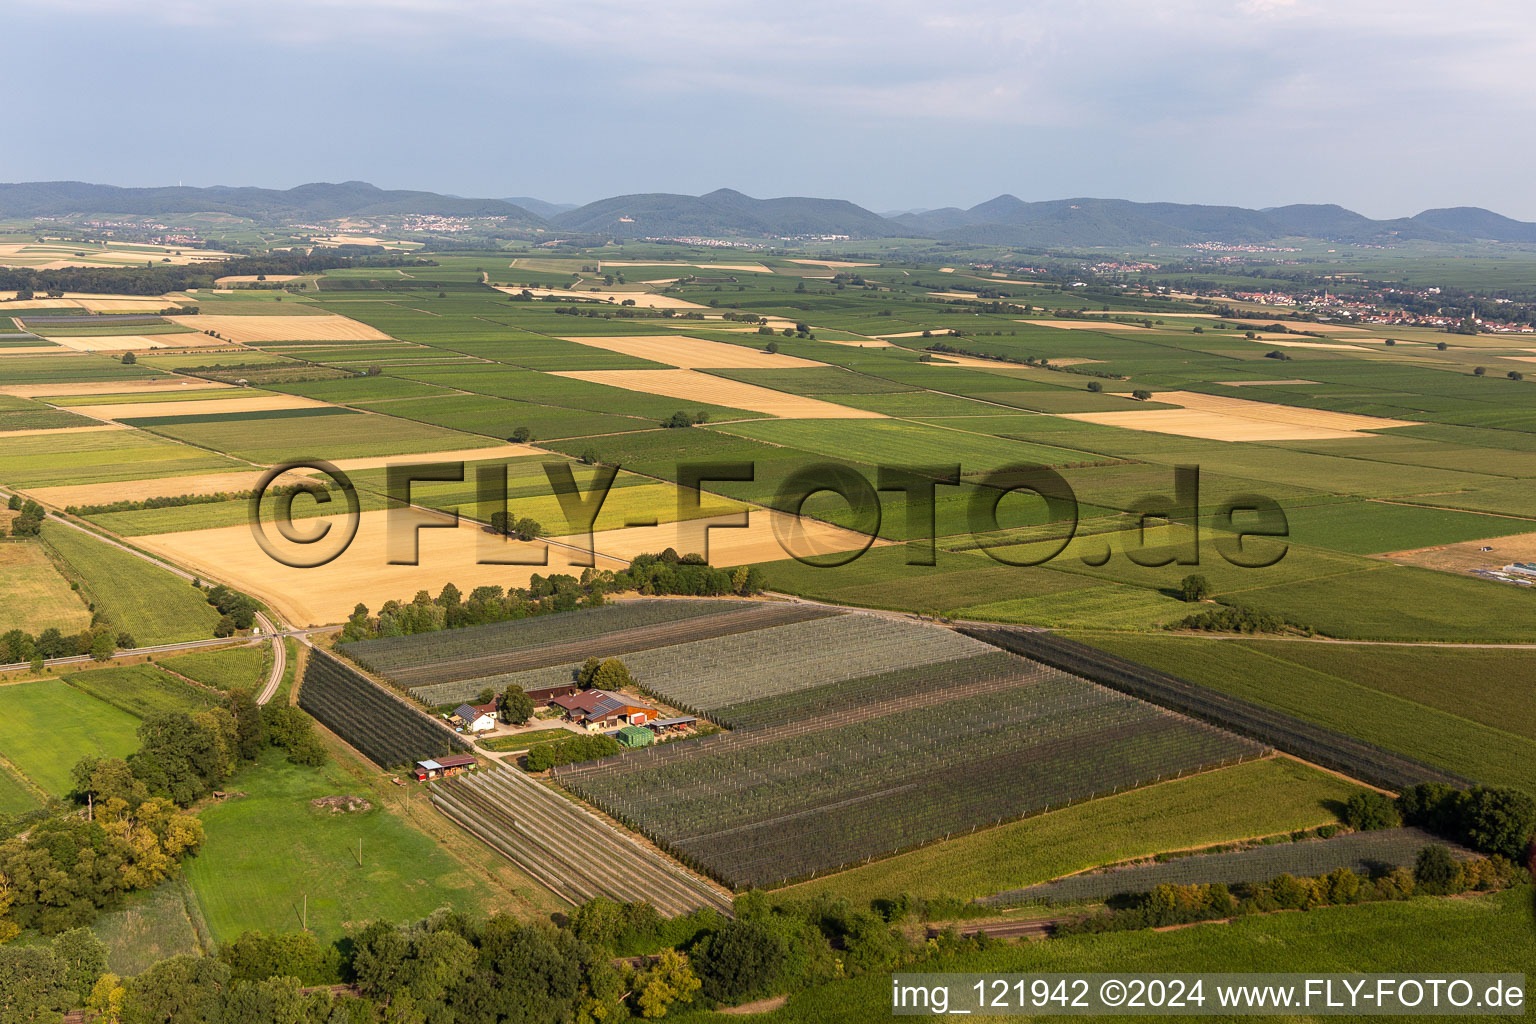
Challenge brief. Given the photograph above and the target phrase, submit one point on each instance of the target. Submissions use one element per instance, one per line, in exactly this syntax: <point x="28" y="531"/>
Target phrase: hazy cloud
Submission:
<point x="1389" y="107"/>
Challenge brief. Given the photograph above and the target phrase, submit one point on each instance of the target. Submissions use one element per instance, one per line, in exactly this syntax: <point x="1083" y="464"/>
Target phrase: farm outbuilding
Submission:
<point x="543" y="696"/>
<point x="444" y="767"/>
<point x="682" y="723"/>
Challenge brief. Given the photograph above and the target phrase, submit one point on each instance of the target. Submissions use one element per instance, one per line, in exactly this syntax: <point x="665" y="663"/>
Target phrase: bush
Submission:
<point x="1367" y="811"/>
<point x="745" y="958"/>
<point x="1435" y="872"/>
<point x="1195" y="587"/>
<point x="543" y="756"/>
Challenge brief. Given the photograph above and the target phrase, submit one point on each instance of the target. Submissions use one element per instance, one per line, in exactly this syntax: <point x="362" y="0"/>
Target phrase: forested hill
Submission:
<point x="1005" y="220"/>
<point x="725" y="211"/>
<point x="319" y="201"/>
<point x="1008" y="220"/>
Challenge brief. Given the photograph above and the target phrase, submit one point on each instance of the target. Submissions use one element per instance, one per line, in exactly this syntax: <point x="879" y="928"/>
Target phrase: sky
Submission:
<point x="1386" y="108"/>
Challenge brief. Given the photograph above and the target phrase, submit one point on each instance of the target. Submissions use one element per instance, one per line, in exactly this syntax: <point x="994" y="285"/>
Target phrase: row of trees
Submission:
<point x="570" y="750"/>
<point x="100" y="640"/>
<point x="163" y="278"/>
<point x="236" y="610"/>
<point x="667" y="573"/>
<point x="466" y="970"/>
<point x="1435" y="873"/>
<point x="1230" y="618"/>
<point x="1497" y="820"/>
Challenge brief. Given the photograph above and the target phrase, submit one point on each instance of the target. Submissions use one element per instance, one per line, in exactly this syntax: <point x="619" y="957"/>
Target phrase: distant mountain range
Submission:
<point x="321" y="201"/>
<point x="1006" y="220"/>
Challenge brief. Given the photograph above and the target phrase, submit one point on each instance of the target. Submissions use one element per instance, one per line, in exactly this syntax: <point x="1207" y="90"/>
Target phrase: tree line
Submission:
<point x="1435" y="873"/>
<point x="158" y="279"/>
<point x="666" y="573"/>
<point x="466" y="970"/>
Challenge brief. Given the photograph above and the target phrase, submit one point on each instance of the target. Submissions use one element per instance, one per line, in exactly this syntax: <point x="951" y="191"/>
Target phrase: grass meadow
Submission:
<point x="48" y="725"/>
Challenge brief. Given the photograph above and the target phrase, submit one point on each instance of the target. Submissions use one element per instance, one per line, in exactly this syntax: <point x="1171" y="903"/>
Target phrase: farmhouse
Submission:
<point x="603" y="709"/>
<point x="471" y="718"/>
<point x="444" y="767"/>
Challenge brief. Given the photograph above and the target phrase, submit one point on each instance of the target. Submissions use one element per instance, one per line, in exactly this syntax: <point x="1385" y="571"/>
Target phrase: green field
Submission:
<point x="269" y="438"/>
<point x="142" y="690"/>
<point x="1259" y="798"/>
<point x="16" y="797"/>
<point x="523" y="741"/>
<point x="143" y="599"/>
<point x="149" y="927"/>
<point x="1468" y="711"/>
<point x="48" y="460"/>
<point x="228" y="668"/>
<point x="269" y="849"/>
<point x="1486" y="933"/>
<point x="46" y="726"/>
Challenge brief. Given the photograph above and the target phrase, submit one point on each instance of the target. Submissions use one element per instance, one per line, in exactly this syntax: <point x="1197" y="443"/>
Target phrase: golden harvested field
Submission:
<point x="163" y="487"/>
<point x="645" y="300"/>
<point x="695" y="353"/>
<point x="501" y="451"/>
<point x="248" y="402"/>
<point x="30" y="350"/>
<point x="388" y="243"/>
<point x="247" y="329"/>
<point x="138" y="342"/>
<point x="327" y="594"/>
<point x="1153" y="313"/>
<point x="1237" y="419"/>
<point x="124" y="305"/>
<point x="253" y="279"/>
<point x="941" y="359"/>
<point x="1079" y="325"/>
<point x="692" y="386"/>
<point x="37" y="431"/>
<point x="36" y="596"/>
<point x="362" y="573"/>
<point x="748" y="268"/>
<point x="1278" y="339"/>
<point x="110" y="387"/>
<point x="57" y="255"/>
<point x="857" y="342"/>
<point x="1331" y="328"/>
<point x="831" y="264"/>
<point x="1465" y="556"/>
